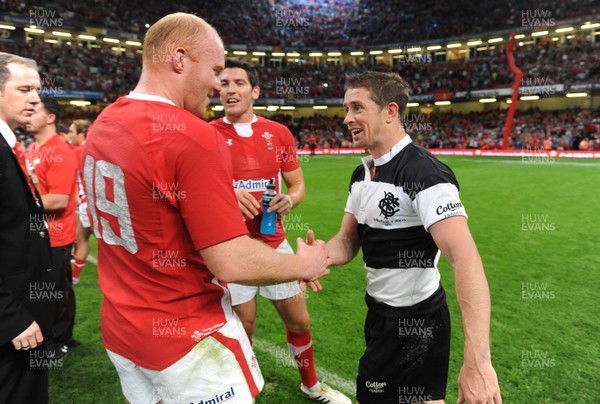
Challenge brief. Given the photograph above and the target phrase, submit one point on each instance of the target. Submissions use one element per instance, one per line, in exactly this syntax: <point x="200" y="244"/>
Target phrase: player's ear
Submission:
<point x="392" y="112"/>
<point x="255" y="92"/>
<point x="177" y="59"/>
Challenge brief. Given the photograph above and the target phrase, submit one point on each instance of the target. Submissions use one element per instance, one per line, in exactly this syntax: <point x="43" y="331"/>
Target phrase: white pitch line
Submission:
<point x="331" y="378"/>
<point x="275" y="351"/>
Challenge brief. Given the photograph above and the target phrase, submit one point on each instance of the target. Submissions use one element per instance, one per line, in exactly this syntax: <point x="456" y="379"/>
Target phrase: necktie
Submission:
<point x="21" y="158"/>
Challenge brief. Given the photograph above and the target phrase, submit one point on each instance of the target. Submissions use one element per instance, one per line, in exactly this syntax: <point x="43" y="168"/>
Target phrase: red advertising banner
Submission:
<point x="477" y="152"/>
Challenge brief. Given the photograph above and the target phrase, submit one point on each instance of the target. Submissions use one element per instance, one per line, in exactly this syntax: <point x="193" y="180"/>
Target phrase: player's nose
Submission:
<point x="349" y="118"/>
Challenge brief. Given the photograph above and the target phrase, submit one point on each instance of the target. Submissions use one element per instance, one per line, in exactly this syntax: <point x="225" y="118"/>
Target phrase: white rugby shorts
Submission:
<point x="242" y="293"/>
<point x="221" y="367"/>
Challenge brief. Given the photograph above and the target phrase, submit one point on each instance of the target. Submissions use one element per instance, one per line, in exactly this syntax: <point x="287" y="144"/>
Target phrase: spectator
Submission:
<point x="53" y="167"/>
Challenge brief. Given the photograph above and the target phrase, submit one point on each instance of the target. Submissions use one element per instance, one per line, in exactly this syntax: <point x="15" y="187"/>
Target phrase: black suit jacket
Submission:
<point x="29" y="288"/>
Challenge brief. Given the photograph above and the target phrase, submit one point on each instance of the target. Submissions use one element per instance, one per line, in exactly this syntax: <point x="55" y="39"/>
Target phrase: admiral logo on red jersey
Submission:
<point x="252" y="185"/>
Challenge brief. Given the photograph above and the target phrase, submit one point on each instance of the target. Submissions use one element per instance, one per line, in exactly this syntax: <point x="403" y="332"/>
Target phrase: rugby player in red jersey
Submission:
<point x="263" y="150"/>
<point x="170" y="233"/>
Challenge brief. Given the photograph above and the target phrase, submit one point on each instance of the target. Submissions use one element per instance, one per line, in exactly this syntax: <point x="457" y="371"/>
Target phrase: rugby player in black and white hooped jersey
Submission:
<point x="404" y="208"/>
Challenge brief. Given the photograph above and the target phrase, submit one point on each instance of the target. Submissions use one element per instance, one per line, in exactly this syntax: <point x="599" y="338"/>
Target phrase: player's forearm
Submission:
<point x="54" y="202"/>
<point x="296" y="194"/>
<point x="272" y="268"/>
<point x="250" y="262"/>
<point x="473" y="297"/>
<point x="341" y="250"/>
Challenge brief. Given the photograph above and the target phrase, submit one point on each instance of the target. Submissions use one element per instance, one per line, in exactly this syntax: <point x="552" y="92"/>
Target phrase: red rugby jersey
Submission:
<point x="158" y="181"/>
<point x="259" y="150"/>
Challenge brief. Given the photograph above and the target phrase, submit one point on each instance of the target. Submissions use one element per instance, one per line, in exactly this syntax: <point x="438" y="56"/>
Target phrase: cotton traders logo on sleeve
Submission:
<point x="251" y="185"/>
<point x="450" y="209"/>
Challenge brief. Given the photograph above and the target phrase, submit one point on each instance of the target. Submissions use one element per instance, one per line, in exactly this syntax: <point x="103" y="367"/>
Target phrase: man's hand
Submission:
<point x="30" y="338"/>
<point x="315" y="285"/>
<point x="314" y="257"/>
<point x="478" y="384"/>
<point x="280" y="203"/>
<point x="247" y="203"/>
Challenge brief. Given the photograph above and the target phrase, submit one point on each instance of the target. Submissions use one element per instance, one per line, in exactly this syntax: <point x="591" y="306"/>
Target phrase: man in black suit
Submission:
<point x="29" y="289"/>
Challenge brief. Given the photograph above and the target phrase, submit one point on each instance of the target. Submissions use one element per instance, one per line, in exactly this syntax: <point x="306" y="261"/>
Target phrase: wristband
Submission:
<point x="289" y="198"/>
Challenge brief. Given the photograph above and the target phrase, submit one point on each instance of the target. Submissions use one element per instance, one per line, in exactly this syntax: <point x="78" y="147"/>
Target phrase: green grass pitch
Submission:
<point x="536" y="226"/>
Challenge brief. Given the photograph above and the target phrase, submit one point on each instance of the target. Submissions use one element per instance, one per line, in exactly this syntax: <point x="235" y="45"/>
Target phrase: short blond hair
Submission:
<point x="82" y="125"/>
<point x="174" y="31"/>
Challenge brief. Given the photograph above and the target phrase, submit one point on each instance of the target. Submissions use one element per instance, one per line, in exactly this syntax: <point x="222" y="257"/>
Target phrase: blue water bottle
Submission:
<point x="268" y="223"/>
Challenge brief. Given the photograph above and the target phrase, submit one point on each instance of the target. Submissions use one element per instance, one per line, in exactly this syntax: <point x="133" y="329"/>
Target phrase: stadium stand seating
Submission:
<point x="326" y="24"/>
<point x="73" y="67"/>
<point x="480" y="130"/>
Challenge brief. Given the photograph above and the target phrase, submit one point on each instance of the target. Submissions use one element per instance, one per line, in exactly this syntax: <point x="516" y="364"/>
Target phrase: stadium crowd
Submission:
<point x="546" y="63"/>
<point x="65" y="67"/>
<point x="384" y="21"/>
<point x="301" y="22"/>
<point x="533" y="129"/>
<point x="72" y="67"/>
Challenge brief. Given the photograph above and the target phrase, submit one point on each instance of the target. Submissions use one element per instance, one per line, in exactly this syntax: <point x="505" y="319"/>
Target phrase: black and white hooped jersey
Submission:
<point x="411" y="190"/>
